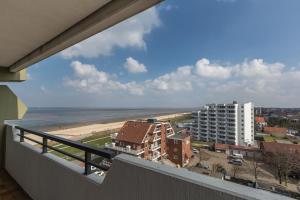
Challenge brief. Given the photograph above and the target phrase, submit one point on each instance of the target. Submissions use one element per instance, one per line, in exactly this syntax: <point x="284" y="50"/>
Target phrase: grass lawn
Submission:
<point x="269" y="138"/>
<point x="96" y="140"/>
<point x="199" y="143"/>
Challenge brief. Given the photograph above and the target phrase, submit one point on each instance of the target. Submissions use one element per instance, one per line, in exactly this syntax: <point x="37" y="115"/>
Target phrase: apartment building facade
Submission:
<point x="225" y="124"/>
<point x="143" y="138"/>
<point x="179" y="148"/>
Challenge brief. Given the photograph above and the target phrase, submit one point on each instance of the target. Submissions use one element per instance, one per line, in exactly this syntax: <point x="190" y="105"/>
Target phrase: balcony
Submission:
<point x="157" y="138"/>
<point x="127" y="150"/>
<point x="155" y="147"/>
<point x="156" y="155"/>
<point x="45" y="176"/>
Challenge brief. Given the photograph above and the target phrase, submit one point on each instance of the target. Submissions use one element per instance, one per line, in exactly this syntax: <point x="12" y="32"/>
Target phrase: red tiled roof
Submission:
<point x="234" y="147"/>
<point x="134" y="131"/>
<point x="275" y="130"/>
<point x="221" y="146"/>
<point x="260" y="119"/>
<point x="242" y="148"/>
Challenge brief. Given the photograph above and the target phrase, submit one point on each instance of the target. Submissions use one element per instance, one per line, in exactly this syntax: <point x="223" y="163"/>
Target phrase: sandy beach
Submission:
<point x="80" y="132"/>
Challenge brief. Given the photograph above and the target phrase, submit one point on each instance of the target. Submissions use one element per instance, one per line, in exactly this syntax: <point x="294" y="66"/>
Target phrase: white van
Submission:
<point x="237" y="155"/>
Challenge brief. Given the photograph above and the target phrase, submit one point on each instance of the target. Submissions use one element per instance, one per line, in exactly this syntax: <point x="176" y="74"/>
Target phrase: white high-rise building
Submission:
<point x="225" y="123"/>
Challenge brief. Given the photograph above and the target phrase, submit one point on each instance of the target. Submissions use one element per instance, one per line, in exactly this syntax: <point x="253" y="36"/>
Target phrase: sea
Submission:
<point x="56" y="118"/>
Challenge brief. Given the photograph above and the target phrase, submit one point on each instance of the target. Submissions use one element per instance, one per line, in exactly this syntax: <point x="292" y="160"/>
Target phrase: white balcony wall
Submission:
<point x="47" y="177"/>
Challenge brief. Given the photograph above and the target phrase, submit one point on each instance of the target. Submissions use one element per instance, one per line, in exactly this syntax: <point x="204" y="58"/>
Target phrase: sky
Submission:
<point x="179" y="54"/>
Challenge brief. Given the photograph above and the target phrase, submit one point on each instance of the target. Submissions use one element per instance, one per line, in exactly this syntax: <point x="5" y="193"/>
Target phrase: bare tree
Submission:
<point x="217" y="168"/>
<point x="254" y="165"/>
<point x="235" y="169"/>
<point x="283" y="164"/>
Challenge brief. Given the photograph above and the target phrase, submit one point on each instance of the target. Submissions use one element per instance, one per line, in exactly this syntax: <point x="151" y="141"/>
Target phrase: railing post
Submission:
<point x="21" y="136"/>
<point x="45" y="149"/>
<point x="87" y="166"/>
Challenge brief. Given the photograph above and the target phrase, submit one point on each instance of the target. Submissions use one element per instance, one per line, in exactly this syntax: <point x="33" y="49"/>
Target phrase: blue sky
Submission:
<point x="179" y="54"/>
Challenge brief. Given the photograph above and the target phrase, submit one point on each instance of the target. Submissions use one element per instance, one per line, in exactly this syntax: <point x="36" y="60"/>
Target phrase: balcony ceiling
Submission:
<point x="33" y="30"/>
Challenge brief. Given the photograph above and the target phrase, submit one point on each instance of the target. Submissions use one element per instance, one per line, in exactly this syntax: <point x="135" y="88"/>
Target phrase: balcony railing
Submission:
<point x="88" y="150"/>
<point x="155" y="156"/>
<point x="124" y="149"/>
<point x="45" y="176"/>
<point x="155" y="147"/>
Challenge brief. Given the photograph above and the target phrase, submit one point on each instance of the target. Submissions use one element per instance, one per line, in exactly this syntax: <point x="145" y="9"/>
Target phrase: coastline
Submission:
<point x="54" y="128"/>
<point x="79" y="131"/>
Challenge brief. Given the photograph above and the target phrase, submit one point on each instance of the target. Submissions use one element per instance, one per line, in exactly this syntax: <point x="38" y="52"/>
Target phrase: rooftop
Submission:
<point x="275" y="130"/>
<point x="276" y="147"/>
<point x="180" y="136"/>
<point x="134" y="131"/>
<point x="260" y="120"/>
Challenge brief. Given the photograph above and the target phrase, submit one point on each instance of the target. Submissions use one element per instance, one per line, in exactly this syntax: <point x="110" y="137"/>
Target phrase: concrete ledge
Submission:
<point x="45" y="177"/>
<point x="7" y="76"/>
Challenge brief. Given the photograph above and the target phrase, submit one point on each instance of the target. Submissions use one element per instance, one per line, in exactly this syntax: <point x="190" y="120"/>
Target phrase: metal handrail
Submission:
<point x="88" y="150"/>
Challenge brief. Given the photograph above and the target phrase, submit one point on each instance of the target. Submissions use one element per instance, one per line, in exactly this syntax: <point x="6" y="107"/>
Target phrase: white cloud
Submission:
<point x="258" y="68"/>
<point x="205" y="69"/>
<point x="180" y="80"/>
<point x="130" y="33"/>
<point x="133" y="66"/>
<point x="88" y="78"/>
<point x="255" y="80"/>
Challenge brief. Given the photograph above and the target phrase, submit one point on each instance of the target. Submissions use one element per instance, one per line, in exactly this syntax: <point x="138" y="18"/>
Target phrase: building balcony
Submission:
<point x="126" y="150"/>
<point x="170" y="132"/>
<point x="157" y="130"/>
<point x="155" y="147"/>
<point x="157" y="139"/>
<point x="44" y="176"/>
<point x="155" y="156"/>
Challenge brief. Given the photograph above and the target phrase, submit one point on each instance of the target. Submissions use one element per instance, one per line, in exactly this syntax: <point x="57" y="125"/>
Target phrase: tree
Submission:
<point x="217" y="168"/>
<point x="235" y="169"/>
<point x="283" y="164"/>
<point x="254" y="165"/>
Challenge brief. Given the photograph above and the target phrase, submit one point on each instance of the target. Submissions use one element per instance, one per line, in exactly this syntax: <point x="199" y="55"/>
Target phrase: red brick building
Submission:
<point x="275" y="131"/>
<point x="143" y="138"/>
<point x="179" y="148"/>
<point x="290" y="151"/>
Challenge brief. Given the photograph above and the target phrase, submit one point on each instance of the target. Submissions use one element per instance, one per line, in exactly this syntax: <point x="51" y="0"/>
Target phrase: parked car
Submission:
<point x="204" y="166"/>
<point x="196" y="151"/>
<point x="236" y="162"/>
<point x="99" y="173"/>
<point x="236" y="156"/>
<point x="105" y="164"/>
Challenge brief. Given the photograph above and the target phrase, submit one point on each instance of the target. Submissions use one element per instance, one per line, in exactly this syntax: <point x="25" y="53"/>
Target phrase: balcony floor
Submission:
<point x="9" y="189"/>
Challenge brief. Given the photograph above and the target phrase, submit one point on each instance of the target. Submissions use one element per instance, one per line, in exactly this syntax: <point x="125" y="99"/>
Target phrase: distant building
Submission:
<point x="260" y="122"/>
<point x="186" y="126"/>
<point x="179" y="148"/>
<point x="146" y="139"/>
<point x="275" y="131"/>
<point x="274" y="147"/>
<point x="290" y="151"/>
<point x="225" y="123"/>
